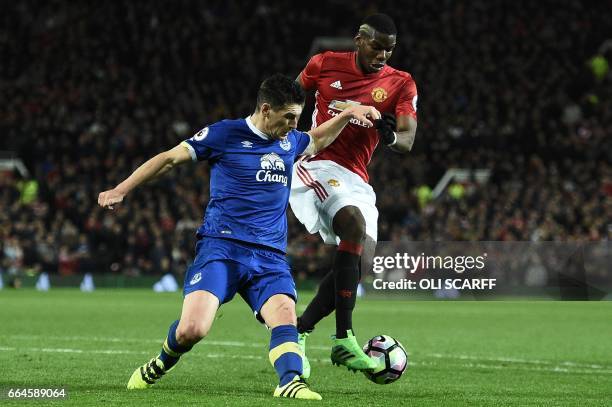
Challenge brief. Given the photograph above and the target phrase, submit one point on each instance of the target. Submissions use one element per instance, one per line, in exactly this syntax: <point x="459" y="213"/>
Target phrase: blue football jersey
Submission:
<point x="250" y="180"/>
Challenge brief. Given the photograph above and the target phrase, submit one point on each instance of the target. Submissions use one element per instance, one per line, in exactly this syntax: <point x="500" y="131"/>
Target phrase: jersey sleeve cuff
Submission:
<point x="191" y="150"/>
<point x="310" y="148"/>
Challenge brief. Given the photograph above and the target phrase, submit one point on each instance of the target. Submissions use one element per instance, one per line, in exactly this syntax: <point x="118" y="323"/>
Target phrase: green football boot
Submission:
<point x="305" y="363"/>
<point x="347" y="352"/>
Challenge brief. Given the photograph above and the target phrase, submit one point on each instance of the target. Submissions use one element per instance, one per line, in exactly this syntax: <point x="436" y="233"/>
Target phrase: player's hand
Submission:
<point x="108" y="199"/>
<point x="365" y="114"/>
<point x="386" y="126"/>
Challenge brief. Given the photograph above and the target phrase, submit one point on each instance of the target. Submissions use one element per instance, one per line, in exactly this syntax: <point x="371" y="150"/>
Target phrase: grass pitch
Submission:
<point x="460" y="353"/>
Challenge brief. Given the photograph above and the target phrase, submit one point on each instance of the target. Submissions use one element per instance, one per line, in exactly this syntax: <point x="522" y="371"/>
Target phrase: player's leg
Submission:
<point x="338" y="288"/>
<point x="279" y="315"/>
<point x="278" y="312"/>
<point x="197" y="316"/>
<point x="271" y="294"/>
<point x="208" y="283"/>
<point x="343" y="215"/>
<point x="350" y="226"/>
<point x="324" y="302"/>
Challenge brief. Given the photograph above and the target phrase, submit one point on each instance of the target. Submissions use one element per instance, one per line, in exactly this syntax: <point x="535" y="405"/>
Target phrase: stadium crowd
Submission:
<point x="88" y="91"/>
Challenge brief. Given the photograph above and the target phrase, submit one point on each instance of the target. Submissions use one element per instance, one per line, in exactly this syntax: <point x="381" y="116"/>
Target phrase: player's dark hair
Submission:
<point x="278" y="91"/>
<point x="381" y="23"/>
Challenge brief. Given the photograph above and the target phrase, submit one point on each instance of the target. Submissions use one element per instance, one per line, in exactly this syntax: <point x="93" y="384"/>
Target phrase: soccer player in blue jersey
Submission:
<point x="242" y="241"/>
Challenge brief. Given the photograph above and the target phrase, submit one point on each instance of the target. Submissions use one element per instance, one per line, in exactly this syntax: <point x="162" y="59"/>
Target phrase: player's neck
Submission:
<point x="357" y="64"/>
<point x="257" y="120"/>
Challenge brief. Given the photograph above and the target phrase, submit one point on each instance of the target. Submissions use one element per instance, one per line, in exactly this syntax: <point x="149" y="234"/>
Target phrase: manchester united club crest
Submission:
<point x="379" y="95"/>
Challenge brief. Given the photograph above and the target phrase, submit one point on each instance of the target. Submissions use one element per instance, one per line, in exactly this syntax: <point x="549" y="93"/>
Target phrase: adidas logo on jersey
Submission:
<point x="336" y="85"/>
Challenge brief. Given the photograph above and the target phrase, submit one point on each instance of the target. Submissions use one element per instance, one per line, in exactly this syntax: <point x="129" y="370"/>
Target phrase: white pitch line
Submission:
<point x="551" y="365"/>
<point x="554" y="369"/>
<point x="119" y="352"/>
<point x="517" y="360"/>
<point x="145" y="340"/>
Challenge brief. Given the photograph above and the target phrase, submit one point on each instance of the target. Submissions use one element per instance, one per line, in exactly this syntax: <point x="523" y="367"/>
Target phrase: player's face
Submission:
<point x="373" y="52"/>
<point x="280" y="122"/>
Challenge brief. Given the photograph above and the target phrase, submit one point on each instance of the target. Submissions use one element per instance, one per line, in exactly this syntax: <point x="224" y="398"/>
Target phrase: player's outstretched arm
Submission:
<point x="406" y="132"/>
<point x="398" y="134"/>
<point x="151" y="169"/>
<point x="326" y="133"/>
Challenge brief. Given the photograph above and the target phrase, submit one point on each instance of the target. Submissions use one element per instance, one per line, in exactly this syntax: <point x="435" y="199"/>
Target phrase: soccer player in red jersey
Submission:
<point x="330" y="193"/>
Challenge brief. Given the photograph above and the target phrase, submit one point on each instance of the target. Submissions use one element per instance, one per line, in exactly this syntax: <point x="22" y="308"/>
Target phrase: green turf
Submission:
<point x="461" y="353"/>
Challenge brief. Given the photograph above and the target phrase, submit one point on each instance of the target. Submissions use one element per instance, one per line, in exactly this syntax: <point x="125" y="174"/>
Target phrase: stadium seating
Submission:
<point x="89" y="94"/>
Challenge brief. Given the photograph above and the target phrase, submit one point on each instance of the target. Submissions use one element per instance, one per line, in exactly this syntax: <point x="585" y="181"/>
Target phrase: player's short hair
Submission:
<point x="278" y="91"/>
<point x="381" y="23"/>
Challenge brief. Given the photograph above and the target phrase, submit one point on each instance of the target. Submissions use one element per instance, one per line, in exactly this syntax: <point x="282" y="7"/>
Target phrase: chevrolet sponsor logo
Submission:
<point x="341" y="105"/>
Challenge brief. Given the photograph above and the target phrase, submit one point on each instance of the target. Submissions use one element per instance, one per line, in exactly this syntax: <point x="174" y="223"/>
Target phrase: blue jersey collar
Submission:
<point x="255" y="129"/>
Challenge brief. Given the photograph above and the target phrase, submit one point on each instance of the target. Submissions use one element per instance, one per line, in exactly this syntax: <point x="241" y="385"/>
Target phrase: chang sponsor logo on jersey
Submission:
<point x="271" y="167"/>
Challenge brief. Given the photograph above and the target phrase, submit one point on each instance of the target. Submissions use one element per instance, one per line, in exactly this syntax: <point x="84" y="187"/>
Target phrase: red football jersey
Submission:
<point x="338" y="83"/>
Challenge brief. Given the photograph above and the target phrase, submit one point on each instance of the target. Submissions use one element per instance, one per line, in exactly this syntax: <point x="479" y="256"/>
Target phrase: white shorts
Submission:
<point x="319" y="189"/>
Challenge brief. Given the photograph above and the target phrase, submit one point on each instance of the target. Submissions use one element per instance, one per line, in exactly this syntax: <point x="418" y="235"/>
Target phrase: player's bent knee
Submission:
<point x="349" y="224"/>
<point x="191" y="332"/>
<point x="279" y="310"/>
<point x="197" y="316"/>
<point x="286" y="315"/>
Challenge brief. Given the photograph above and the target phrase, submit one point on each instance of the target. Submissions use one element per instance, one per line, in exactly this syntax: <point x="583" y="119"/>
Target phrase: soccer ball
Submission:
<point x="391" y="356"/>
